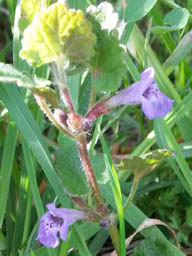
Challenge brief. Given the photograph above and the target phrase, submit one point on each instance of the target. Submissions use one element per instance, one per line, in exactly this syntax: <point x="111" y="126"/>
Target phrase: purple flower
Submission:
<point x="145" y="92"/>
<point x="56" y="220"/>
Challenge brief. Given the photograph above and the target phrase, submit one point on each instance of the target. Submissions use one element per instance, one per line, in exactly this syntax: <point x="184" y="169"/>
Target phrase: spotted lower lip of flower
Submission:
<point x="56" y="221"/>
<point x="145" y="92"/>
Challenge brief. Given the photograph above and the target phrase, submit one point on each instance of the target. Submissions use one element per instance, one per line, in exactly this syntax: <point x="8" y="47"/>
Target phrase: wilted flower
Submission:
<point x="145" y="92"/>
<point x="56" y="220"/>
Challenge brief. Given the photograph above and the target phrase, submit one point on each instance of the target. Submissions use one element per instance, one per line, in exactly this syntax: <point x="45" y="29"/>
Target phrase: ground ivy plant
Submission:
<point x="69" y="42"/>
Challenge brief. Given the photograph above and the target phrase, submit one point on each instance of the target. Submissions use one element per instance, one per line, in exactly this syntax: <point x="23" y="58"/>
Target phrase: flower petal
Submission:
<point x="56" y="220"/>
<point x="133" y="94"/>
<point x="128" y="96"/>
<point x="50" y="206"/>
<point x="145" y="92"/>
<point x="68" y="215"/>
<point x="148" y="73"/>
<point x="50" y="240"/>
<point x="63" y="231"/>
<point x="47" y="232"/>
<point x="155" y="103"/>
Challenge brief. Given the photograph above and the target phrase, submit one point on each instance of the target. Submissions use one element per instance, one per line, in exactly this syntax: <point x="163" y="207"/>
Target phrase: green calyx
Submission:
<point x="57" y="34"/>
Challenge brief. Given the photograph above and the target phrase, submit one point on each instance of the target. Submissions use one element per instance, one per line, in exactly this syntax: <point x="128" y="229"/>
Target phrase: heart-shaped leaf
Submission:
<point x="71" y="171"/>
<point x="58" y="33"/>
<point x="108" y="62"/>
<point x="174" y="20"/>
<point x="137" y="9"/>
<point x="141" y="166"/>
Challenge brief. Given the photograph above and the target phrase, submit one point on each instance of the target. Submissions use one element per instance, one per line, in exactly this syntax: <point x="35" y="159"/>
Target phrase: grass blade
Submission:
<point x="116" y="192"/>
<point x="6" y="167"/>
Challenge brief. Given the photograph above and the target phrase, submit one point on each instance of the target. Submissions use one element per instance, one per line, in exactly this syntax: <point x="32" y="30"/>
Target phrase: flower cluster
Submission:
<point x="56" y="220"/>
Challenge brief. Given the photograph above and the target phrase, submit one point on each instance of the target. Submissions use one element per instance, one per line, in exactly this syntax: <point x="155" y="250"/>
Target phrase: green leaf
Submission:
<point x="84" y="94"/>
<point x="137" y="9"/>
<point x="2" y="242"/>
<point x="58" y="33"/>
<point x="32" y="178"/>
<point x="114" y="182"/>
<point x="157" y="156"/>
<point x="74" y="86"/>
<point x="99" y="168"/>
<point x="29" y="8"/>
<point x="76" y="4"/>
<point x="7" y="167"/>
<point x="9" y="74"/>
<point x="181" y="51"/>
<point x="108" y="62"/>
<point x="28" y="11"/>
<point x="80" y="241"/>
<point x="141" y="166"/>
<point x="22" y="24"/>
<point x="188" y="221"/>
<point x="41" y="82"/>
<point x="50" y="95"/>
<point x="163" y="29"/>
<point x="134" y="164"/>
<point x="174" y="20"/>
<point x="177" y="17"/>
<point x="151" y="247"/>
<point x="70" y="170"/>
<point x="30" y="131"/>
<point x="167" y="139"/>
<point x="134" y="216"/>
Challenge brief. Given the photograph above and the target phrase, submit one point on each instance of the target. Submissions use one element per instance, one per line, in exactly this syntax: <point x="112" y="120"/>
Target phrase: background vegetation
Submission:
<point x="159" y="36"/>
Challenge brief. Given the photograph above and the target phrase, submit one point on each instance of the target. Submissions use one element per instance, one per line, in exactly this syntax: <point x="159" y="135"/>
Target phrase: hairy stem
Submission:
<point x="44" y="107"/>
<point x="63" y="88"/>
<point x="86" y="163"/>
<point x="67" y="99"/>
<point x="132" y="193"/>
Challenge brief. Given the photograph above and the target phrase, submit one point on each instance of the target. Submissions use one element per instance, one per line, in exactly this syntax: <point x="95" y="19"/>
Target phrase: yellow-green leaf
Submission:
<point x="141" y="166"/>
<point x="50" y="95"/>
<point x="58" y="33"/>
<point x="29" y="8"/>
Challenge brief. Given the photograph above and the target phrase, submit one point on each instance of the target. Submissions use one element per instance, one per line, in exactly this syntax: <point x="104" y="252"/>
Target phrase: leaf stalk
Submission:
<point x="44" y="107"/>
<point x="132" y="193"/>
